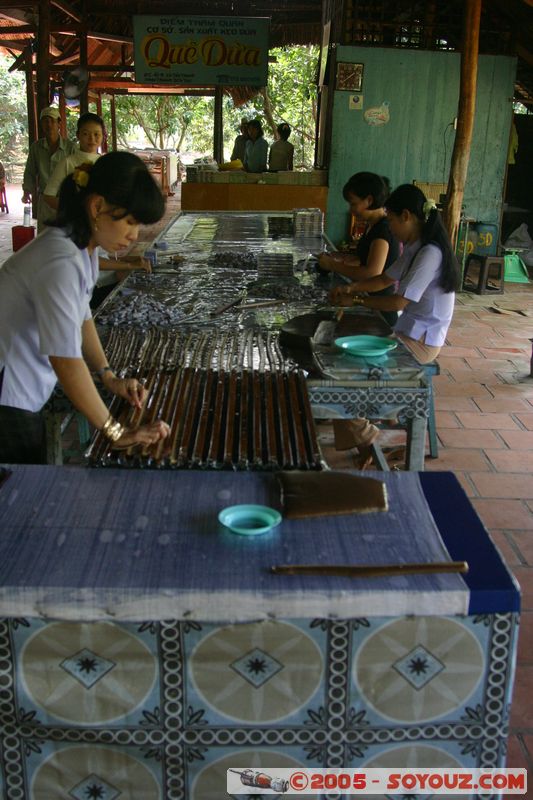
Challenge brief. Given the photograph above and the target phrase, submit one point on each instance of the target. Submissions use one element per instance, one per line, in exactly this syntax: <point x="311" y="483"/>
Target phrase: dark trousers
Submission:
<point x="22" y="436"/>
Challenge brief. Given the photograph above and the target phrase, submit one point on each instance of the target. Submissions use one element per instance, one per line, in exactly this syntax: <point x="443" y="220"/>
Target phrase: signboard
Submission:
<point x="201" y="51"/>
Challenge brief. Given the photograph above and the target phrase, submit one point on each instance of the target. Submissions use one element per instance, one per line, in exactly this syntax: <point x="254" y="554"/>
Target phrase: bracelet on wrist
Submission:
<point x="100" y="372"/>
<point x="112" y="429"/>
<point x="358" y="301"/>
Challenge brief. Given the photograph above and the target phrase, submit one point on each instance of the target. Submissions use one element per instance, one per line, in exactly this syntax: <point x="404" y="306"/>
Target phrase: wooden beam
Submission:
<point x="20" y="61"/>
<point x="117" y="83"/>
<point x="465" y="117"/>
<point x="33" y="132"/>
<point x="71" y="30"/>
<point x="63" y="112"/>
<point x="218" y="127"/>
<point x="113" y="112"/>
<point x="67" y="9"/>
<point x="18" y="29"/>
<point x="15" y="44"/>
<point x="84" y="57"/>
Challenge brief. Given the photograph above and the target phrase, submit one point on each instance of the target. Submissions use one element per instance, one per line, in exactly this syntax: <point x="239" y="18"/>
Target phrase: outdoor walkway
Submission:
<point x="484" y="401"/>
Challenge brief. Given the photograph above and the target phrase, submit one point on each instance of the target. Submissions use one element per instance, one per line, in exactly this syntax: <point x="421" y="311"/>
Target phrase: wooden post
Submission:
<point x="43" y="56"/>
<point x="465" y="118"/>
<point x="63" y="112"/>
<point x="218" y="127"/>
<point x="33" y="127"/>
<point x="84" y="59"/>
<point x="113" y="122"/>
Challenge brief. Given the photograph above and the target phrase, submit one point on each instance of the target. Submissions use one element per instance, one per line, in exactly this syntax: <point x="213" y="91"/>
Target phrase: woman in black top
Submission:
<point x="377" y="249"/>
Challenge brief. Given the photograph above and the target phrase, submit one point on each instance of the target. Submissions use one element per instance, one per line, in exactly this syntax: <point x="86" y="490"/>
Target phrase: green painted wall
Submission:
<point x="422" y="90"/>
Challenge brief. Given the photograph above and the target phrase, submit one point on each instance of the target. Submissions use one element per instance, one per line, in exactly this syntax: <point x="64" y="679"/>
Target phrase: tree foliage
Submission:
<point x="14" y="118"/>
<point x="185" y="123"/>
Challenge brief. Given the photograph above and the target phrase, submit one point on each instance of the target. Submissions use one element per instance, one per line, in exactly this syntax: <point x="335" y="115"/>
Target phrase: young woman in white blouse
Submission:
<point x="47" y="333"/>
<point x="426" y="277"/>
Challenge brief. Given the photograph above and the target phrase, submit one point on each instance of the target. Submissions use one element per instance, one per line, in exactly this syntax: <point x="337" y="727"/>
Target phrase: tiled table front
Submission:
<point x="227" y="665"/>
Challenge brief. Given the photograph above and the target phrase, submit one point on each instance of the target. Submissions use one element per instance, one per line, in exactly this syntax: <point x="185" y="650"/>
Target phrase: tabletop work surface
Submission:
<point x="91" y="544"/>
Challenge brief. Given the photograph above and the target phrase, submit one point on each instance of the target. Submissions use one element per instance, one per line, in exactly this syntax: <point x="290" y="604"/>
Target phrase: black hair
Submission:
<point x="254" y="123"/>
<point x="123" y="180"/>
<point x="363" y="184"/>
<point x="410" y="198"/>
<point x="90" y="117"/>
<point x="284" y="130"/>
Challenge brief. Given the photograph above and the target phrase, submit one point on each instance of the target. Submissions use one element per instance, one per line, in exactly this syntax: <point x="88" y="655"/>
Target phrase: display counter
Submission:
<point x="144" y="648"/>
<point x="242" y="191"/>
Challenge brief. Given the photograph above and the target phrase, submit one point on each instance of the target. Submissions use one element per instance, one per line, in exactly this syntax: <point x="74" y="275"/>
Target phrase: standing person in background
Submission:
<point x="255" y="158"/>
<point x="90" y="132"/>
<point x="281" y="152"/>
<point x="239" y="145"/>
<point x="43" y="156"/>
<point x="377" y="249"/>
<point x="47" y="333"/>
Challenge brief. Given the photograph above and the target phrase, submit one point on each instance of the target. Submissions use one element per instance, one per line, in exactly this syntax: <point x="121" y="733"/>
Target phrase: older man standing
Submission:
<point x="43" y="156"/>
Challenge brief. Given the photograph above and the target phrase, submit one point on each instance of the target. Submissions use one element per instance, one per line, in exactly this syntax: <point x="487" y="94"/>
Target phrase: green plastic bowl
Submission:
<point x="365" y="345"/>
<point x="249" y="520"/>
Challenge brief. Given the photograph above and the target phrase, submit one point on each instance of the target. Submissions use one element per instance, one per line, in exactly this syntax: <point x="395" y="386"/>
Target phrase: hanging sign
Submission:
<point x="201" y="51"/>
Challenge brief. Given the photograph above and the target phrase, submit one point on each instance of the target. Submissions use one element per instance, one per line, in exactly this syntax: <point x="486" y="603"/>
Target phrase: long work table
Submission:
<point x="145" y="649"/>
<point x="225" y="285"/>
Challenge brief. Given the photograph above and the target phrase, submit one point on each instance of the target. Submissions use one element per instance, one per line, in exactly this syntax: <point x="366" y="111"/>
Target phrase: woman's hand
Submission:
<point x="138" y="263"/>
<point x="341" y="296"/>
<point x="329" y="262"/>
<point x="128" y="388"/>
<point x="144" y="435"/>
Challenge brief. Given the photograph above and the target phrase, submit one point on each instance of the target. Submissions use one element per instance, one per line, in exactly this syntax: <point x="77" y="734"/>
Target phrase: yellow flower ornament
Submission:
<point x="81" y="174"/>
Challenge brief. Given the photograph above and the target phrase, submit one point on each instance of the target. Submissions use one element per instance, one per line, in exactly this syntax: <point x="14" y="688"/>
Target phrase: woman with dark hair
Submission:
<point x="281" y="152"/>
<point x="46" y="329"/>
<point x="377" y="249"/>
<point x="91" y="133"/>
<point x="426" y="277"/>
<point x="255" y="156"/>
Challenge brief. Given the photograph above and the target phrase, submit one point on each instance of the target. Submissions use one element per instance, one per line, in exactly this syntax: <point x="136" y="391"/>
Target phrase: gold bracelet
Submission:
<point x="358" y="301"/>
<point x="112" y="429"/>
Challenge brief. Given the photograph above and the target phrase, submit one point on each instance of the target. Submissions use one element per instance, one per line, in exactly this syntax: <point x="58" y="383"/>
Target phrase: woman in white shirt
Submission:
<point x="426" y="277"/>
<point x="90" y="133"/>
<point x="46" y="329"/>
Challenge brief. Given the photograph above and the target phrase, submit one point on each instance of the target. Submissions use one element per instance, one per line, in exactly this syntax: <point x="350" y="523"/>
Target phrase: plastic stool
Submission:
<point x="3" y="200"/>
<point x="485" y="280"/>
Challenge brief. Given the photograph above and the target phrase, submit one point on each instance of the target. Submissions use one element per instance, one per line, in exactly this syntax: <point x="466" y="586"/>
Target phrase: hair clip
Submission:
<point x="81" y="174"/>
<point x="428" y="207"/>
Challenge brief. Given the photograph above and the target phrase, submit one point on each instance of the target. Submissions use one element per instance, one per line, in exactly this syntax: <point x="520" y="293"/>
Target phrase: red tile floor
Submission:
<point x="484" y="403"/>
<point x="484" y="409"/>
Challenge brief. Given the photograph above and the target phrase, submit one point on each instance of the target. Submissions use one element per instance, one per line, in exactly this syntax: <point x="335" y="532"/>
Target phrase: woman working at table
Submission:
<point x="46" y="329"/>
<point x="377" y="248"/>
<point x="426" y="277"/>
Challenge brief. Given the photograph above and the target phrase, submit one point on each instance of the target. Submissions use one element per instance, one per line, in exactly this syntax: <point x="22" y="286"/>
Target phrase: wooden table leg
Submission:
<point x="416" y="444"/>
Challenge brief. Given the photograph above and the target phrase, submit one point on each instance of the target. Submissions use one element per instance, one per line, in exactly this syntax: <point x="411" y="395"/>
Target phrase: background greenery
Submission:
<point x="183" y="123"/>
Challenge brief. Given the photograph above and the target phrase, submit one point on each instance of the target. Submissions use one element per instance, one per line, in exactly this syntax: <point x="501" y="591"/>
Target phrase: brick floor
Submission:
<point x="484" y="404"/>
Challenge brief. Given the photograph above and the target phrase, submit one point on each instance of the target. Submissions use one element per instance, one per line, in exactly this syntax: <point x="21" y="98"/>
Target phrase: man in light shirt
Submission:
<point x="43" y="156"/>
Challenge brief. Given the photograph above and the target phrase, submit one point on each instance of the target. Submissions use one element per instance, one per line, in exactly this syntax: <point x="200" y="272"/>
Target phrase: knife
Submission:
<point x="370" y="570"/>
<point x="221" y="309"/>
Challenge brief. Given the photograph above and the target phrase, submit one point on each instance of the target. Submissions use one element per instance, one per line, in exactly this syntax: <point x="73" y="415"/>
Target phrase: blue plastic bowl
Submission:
<point x="249" y="520"/>
<point x="366" y="345"/>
